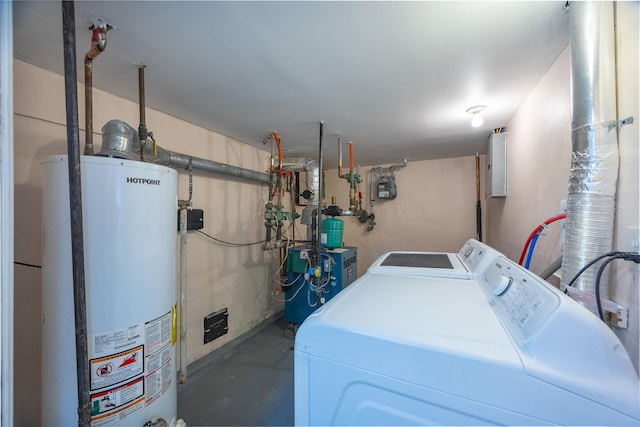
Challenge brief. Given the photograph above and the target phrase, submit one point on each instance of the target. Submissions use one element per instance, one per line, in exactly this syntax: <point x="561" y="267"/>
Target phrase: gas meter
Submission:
<point x="387" y="187"/>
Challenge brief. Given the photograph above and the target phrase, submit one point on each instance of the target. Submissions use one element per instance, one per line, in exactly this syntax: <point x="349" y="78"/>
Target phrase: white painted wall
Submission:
<point x="218" y="276"/>
<point x="538" y="159"/>
<point x="435" y="209"/>
<point x="624" y="281"/>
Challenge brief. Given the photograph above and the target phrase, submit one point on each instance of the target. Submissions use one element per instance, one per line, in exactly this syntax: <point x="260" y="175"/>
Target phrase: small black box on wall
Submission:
<point x="215" y="325"/>
<point x="195" y="219"/>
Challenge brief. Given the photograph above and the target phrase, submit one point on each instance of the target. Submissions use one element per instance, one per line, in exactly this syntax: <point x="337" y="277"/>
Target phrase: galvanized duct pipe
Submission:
<point x="594" y="160"/>
<point x="75" y="199"/>
<point x="120" y="140"/>
<point x="312" y="169"/>
<point x="181" y="161"/>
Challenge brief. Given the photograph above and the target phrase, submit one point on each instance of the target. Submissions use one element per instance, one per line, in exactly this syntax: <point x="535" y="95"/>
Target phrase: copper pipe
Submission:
<point x="271" y="171"/>
<point x="352" y="183"/>
<point x="340" y="174"/>
<point x="277" y="139"/>
<point x="350" y="156"/>
<point x="98" y="45"/>
<point x="279" y="183"/>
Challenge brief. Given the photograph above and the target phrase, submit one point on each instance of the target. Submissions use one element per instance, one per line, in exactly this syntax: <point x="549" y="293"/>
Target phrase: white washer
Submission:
<point x="472" y="257"/>
<point x="503" y="348"/>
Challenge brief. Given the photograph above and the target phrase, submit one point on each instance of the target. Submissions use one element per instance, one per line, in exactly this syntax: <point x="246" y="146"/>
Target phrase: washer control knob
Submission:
<point x="468" y="252"/>
<point x="502" y="285"/>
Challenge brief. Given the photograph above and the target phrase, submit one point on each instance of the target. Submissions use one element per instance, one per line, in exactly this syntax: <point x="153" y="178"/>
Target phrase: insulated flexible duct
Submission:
<point x="594" y="158"/>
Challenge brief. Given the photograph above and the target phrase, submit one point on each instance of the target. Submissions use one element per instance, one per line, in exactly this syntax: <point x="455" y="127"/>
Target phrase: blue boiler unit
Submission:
<point x="339" y="268"/>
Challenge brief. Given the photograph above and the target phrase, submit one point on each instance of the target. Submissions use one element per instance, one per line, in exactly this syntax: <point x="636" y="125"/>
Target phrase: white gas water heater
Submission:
<point x="129" y="215"/>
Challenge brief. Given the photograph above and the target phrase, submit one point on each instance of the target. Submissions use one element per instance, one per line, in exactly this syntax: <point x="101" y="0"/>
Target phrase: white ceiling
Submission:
<point x="394" y="77"/>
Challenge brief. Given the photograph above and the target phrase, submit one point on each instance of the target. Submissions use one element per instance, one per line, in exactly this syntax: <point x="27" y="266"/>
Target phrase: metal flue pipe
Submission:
<point x="75" y="200"/>
<point x="181" y="161"/>
<point x="142" y="128"/>
<point x="594" y="158"/>
<point x="98" y="45"/>
<point x="182" y="375"/>
<point x="320" y="184"/>
<point x="119" y="139"/>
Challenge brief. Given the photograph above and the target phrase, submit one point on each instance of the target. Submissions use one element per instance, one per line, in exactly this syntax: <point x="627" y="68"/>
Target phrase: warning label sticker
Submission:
<point x="117" y="341"/>
<point x="159" y="358"/>
<point x="116" y="404"/>
<point x="159" y="374"/>
<point x="116" y="368"/>
<point x="158" y="332"/>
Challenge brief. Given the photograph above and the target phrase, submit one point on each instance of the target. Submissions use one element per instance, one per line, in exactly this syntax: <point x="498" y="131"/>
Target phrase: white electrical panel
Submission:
<point x="496" y="173"/>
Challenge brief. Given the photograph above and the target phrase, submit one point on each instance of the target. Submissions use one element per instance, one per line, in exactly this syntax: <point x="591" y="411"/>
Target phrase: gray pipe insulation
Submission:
<point x="594" y="159"/>
<point x="121" y="140"/>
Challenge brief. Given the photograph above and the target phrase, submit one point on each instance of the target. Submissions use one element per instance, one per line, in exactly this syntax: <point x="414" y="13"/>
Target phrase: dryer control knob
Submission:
<point x="502" y="285"/>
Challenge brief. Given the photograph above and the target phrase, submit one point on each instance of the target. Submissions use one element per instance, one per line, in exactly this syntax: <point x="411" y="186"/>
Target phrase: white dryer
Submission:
<point x="472" y="257"/>
<point x="503" y="347"/>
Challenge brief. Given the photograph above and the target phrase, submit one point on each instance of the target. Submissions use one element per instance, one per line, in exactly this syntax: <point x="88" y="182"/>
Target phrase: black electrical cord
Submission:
<point x="627" y="256"/>
<point x="27" y="265"/>
<point x="230" y="243"/>
<point x="597" y="290"/>
<point x="583" y="269"/>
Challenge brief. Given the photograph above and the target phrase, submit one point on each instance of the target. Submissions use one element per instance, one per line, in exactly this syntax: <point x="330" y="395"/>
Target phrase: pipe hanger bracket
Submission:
<point x="617" y="123"/>
<point x="606" y="124"/>
<point x="624" y="122"/>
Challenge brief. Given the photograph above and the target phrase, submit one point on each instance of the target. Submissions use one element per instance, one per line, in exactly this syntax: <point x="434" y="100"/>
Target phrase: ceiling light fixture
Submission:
<point x="476" y="120"/>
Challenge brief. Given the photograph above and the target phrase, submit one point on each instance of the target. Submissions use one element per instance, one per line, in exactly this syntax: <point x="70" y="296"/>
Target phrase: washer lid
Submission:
<point x="422" y="260"/>
<point x="426" y="314"/>
<point x="430" y="264"/>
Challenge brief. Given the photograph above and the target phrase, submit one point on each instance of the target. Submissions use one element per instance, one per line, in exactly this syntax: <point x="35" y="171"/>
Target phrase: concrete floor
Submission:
<point x="248" y="382"/>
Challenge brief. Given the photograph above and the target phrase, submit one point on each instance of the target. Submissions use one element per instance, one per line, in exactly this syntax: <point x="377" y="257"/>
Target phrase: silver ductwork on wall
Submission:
<point x="594" y="159"/>
<point x="312" y="169"/>
<point x="121" y="140"/>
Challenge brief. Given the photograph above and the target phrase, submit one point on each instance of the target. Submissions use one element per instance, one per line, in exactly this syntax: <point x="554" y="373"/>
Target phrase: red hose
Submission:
<point x="536" y="231"/>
